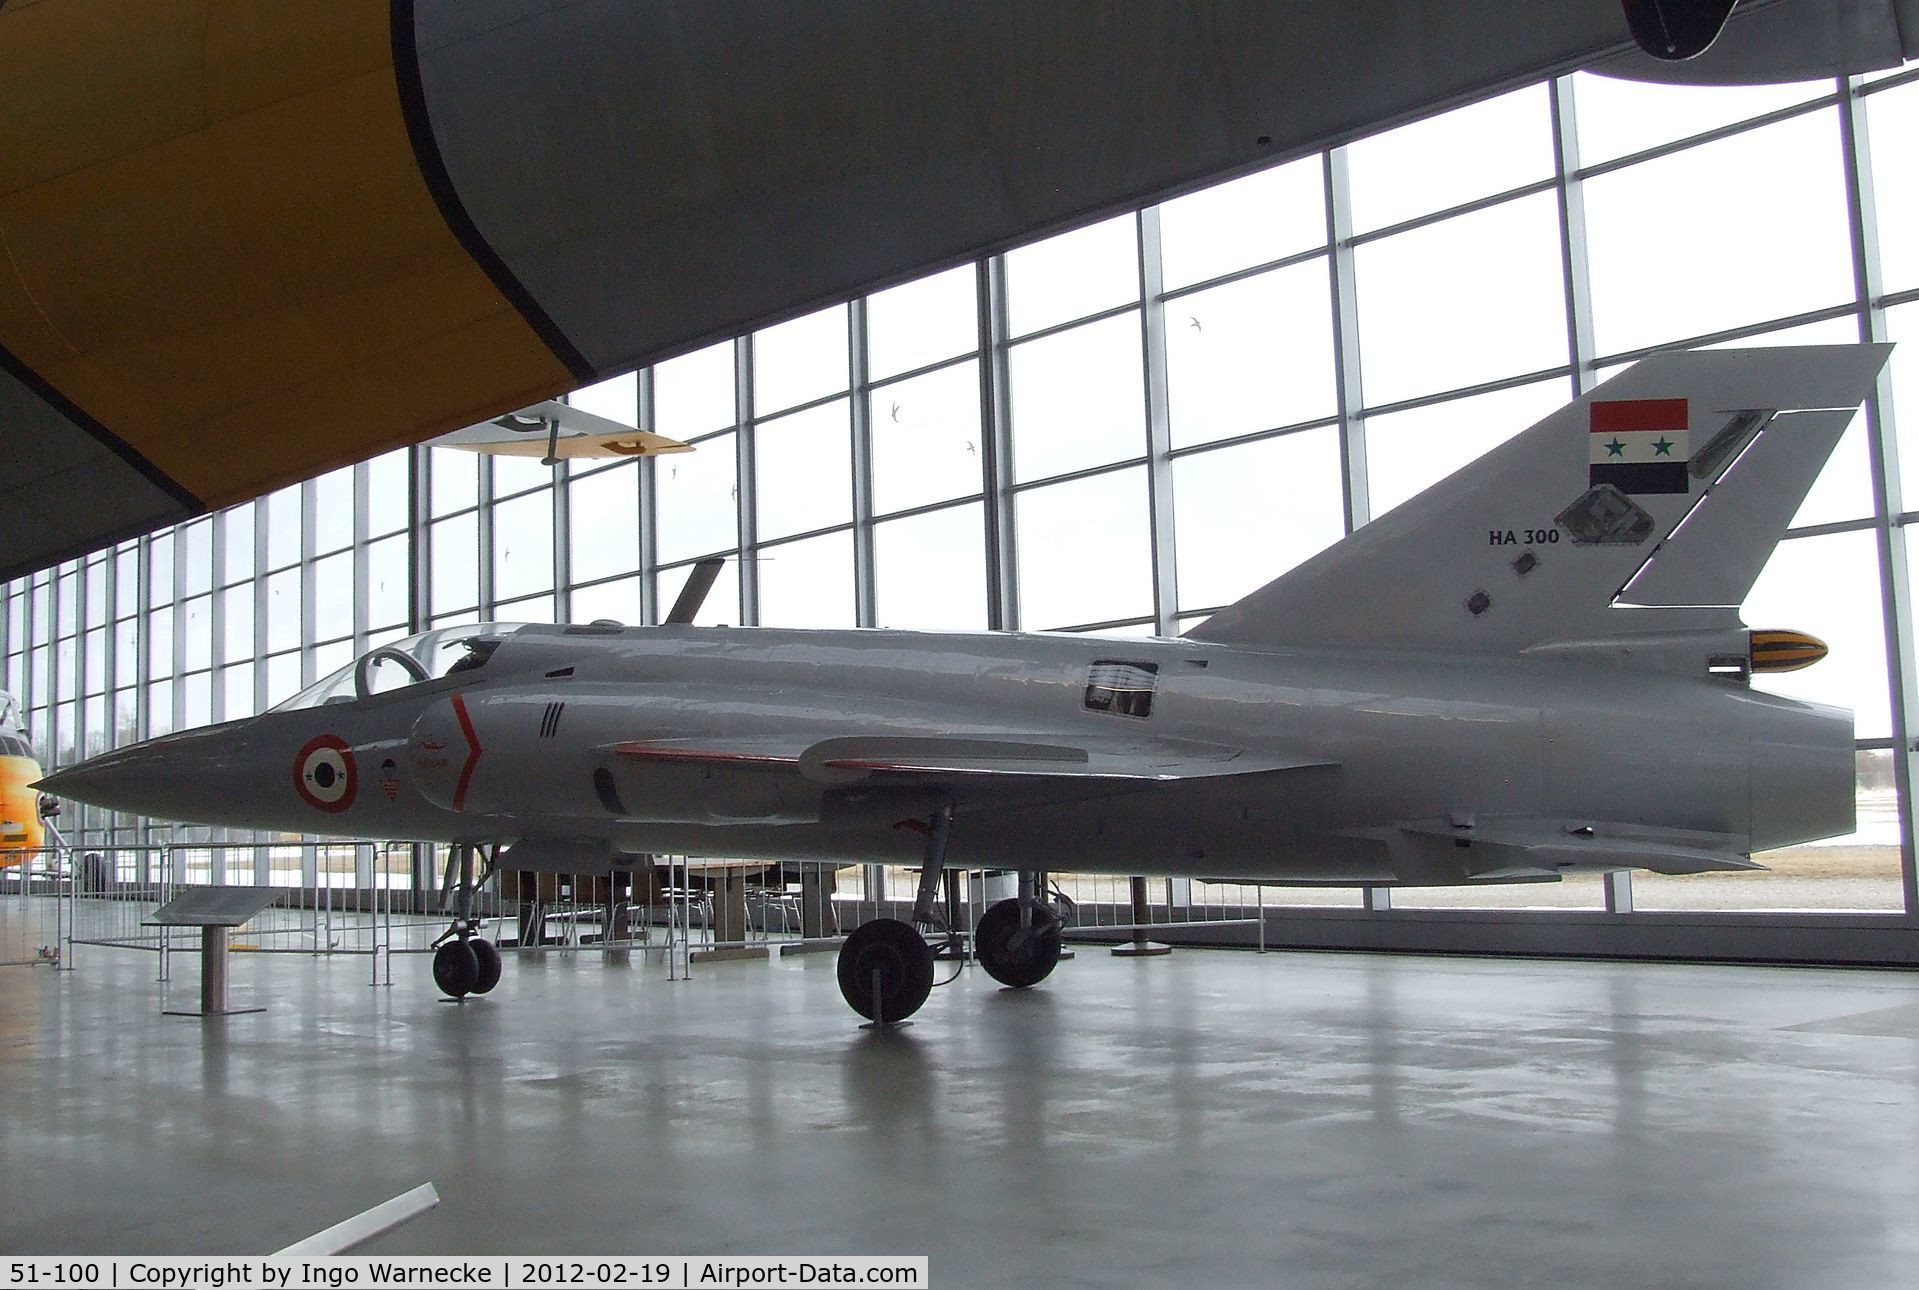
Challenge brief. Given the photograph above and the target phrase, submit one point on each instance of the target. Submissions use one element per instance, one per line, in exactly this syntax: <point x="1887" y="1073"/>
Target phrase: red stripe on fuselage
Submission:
<point x="655" y="752"/>
<point x="472" y="752"/>
<point x="1624" y="415"/>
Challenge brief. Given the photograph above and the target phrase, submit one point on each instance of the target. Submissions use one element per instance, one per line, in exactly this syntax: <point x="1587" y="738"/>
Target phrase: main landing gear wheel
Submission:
<point x="903" y="960"/>
<point x="488" y="955"/>
<point x="456" y="968"/>
<point x="1015" y="956"/>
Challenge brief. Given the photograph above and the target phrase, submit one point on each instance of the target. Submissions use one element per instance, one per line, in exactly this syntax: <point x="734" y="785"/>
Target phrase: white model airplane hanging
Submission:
<point x="554" y="431"/>
<point x="1536" y="667"/>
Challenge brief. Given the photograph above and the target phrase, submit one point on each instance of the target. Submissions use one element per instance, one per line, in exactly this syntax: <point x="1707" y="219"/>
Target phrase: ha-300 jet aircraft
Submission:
<point x="1536" y="667"/>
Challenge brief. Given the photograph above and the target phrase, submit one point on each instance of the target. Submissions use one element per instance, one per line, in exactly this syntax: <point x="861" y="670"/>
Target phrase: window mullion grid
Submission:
<point x="262" y="857"/>
<point x="82" y="655"/>
<point x="83" y="576"/>
<point x="217" y="617"/>
<point x="29" y="626"/>
<point x="748" y="531"/>
<point x="142" y="635"/>
<point x="216" y="834"/>
<point x="1575" y="267"/>
<point x="483" y="538"/>
<point x="996" y="455"/>
<point x="1356" y="496"/>
<point x="419" y="482"/>
<point x="649" y="540"/>
<point x="109" y="644"/>
<point x="865" y="592"/>
<point x="361" y="579"/>
<point x="1352" y="426"/>
<point x="562" y="540"/>
<point x="1575" y="262"/>
<point x="308" y="593"/>
<point x="1159" y="435"/>
<point x="419" y="540"/>
<point x="261" y="525"/>
<point x="1882" y="458"/>
<point x="173" y="831"/>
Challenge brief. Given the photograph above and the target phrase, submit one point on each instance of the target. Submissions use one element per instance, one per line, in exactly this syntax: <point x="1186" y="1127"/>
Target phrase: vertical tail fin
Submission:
<point x="1573" y="530"/>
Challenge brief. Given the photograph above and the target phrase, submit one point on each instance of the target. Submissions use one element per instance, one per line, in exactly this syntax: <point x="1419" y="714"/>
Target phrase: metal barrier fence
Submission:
<point x="1099" y="905"/>
<point x="378" y="900"/>
<point x="36" y="910"/>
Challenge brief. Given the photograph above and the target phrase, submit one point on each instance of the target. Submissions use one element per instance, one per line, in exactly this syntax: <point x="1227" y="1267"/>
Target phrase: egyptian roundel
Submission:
<point x="324" y="774"/>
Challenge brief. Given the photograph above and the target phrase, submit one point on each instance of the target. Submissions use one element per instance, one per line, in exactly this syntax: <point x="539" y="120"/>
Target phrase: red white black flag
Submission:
<point x="1640" y="445"/>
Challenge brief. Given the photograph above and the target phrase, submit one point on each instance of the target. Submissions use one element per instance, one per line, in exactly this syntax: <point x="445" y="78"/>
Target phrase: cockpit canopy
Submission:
<point x="398" y="664"/>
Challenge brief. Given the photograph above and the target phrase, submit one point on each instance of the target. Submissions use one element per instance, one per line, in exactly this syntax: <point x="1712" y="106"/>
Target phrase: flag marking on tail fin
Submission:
<point x="1407" y="579"/>
<point x="1640" y="445"/>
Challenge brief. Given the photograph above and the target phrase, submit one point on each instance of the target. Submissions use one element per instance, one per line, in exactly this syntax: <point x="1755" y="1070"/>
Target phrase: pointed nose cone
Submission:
<point x="189" y="776"/>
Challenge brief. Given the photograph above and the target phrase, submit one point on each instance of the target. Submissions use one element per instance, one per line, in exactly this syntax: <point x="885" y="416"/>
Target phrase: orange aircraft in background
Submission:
<point x="20" y="827"/>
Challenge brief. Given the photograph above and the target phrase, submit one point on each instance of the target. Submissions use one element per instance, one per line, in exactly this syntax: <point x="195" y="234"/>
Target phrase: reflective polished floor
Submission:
<point x="1213" y="1118"/>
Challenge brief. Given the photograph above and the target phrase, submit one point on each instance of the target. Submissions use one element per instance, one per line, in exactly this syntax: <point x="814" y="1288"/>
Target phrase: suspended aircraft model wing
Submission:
<point x="557" y="431"/>
<point x="249" y="243"/>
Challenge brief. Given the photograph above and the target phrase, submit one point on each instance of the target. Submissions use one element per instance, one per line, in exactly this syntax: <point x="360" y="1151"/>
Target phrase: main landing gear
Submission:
<point x="1019" y="940"/>
<point x="886" y="965"/>
<point x="463" y="962"/>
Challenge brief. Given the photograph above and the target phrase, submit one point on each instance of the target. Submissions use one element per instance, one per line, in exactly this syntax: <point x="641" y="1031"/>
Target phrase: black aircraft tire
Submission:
<point x="488" y="955"/>
<point x="456" y="968"/>
<point x="905" y="964"/>
<point x="1032" y="963"/>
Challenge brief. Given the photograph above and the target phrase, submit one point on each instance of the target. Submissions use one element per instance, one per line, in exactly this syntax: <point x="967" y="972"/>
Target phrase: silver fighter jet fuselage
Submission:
<point x="1536" y="667"/>
<point x="1385" y="766"/>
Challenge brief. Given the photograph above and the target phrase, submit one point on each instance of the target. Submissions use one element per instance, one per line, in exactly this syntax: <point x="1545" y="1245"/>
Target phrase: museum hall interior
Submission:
<point x="960" y="644"/>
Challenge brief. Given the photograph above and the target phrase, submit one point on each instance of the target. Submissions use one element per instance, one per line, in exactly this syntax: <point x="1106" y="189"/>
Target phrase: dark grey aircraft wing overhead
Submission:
<point x="248" y="243"/>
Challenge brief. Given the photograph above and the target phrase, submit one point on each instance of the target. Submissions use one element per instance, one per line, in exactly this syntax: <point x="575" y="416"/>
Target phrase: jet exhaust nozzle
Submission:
<point x="1784" y="651"/>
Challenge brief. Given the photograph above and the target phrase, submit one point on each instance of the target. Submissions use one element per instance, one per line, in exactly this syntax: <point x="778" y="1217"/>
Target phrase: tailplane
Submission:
<point x="1643" y="511"/>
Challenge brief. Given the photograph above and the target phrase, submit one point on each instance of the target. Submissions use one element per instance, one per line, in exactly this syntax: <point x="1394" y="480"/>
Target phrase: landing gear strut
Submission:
<point x="886" y="966"/>
<point x="464" y="963"/>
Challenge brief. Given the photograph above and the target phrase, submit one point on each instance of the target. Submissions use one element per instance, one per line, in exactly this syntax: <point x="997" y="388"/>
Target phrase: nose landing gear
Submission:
<point x="464" y="963"/>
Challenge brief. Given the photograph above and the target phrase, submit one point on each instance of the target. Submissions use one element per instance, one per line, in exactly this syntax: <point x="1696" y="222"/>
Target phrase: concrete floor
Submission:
<point x="1213" y="1118"/>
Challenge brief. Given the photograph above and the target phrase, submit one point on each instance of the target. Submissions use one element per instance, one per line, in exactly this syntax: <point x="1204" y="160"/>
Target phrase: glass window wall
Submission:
<point x="987" y="445"/>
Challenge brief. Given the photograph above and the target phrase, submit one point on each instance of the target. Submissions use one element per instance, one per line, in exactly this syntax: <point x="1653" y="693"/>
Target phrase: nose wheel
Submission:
<point x="464" y="963"/>
<point x="488" y="956"/>
<point x="467" y="965"/>
<point x="456" y="968"/>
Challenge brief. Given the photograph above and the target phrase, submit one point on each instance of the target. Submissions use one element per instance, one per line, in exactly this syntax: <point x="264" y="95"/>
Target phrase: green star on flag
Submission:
<point x="1640" y="446"/>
